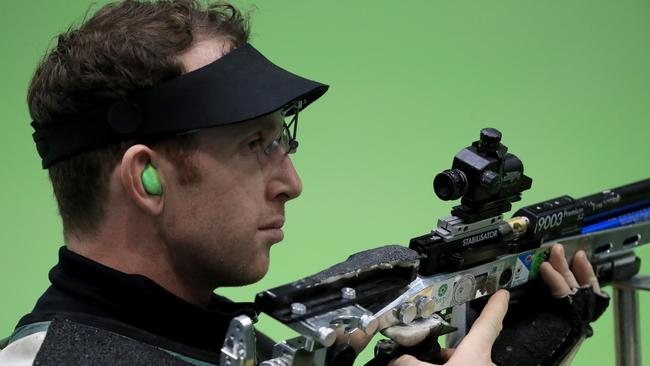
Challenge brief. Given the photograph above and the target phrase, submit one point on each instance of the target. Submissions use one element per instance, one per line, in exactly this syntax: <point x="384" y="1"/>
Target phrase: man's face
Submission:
<point x="220" y="229"/>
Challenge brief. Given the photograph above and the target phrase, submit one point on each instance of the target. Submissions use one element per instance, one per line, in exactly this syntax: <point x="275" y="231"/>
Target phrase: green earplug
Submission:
<point x="150" y="180"/>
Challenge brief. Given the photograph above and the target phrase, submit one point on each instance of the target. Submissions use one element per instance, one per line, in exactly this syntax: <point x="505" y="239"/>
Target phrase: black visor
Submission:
<point x="240" y="86"/>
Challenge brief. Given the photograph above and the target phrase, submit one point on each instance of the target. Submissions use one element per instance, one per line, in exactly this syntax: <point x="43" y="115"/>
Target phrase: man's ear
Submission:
<point x="134" y="163"/>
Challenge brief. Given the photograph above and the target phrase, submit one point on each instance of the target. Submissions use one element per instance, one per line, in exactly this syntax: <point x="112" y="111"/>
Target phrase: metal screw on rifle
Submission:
<point x="425" y="306"/>
<point x="348" y="293"/>
<point x="368" y="324"/>
<point x="326" y="336"/>
<point x="407" y="313"/>
<point x="298" y="308"/>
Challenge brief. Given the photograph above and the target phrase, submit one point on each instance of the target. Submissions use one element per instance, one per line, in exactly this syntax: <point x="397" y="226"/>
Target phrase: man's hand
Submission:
<point x="476" y="347"/>
<point x="564" y="281"/>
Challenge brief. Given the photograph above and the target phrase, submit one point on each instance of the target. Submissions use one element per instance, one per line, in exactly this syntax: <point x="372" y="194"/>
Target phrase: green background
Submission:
<point x="412" y="82"/>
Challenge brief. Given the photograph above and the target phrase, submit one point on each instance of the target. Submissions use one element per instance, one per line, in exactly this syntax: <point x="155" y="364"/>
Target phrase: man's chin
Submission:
<point x="247" y="275"/>
<point x="255" y="276"/>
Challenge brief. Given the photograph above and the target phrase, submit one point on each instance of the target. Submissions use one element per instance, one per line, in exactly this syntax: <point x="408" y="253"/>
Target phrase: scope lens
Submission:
<point x="450" y="184"/>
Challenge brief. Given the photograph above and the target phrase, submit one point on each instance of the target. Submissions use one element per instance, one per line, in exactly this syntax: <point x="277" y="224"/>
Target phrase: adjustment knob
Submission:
<point x="426" y="306"/>
<point x="490" y="138"/>
<point x="407" y="313"/>
<point x="491" y="181"/>
<point x="326" y="336"/>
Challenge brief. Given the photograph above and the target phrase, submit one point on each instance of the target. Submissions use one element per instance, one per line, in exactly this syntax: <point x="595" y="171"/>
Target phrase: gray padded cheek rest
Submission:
<point x="387" y="256"/>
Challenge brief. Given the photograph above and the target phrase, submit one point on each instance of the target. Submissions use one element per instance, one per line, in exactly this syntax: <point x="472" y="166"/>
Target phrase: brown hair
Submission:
<point x="126" y="46"/>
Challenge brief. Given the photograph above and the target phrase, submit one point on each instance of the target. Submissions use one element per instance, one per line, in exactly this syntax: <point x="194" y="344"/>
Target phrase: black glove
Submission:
<point x="545" y="330"/>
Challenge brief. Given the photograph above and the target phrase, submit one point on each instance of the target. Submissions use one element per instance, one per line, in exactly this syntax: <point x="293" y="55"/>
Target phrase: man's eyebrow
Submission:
<point x="265" y="125"/>
<point x="269" y="124"/>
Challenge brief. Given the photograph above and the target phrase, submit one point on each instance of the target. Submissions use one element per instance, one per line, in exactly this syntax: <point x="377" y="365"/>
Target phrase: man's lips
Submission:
<point x="275" y="224"/>
<point x="274" y="229"/>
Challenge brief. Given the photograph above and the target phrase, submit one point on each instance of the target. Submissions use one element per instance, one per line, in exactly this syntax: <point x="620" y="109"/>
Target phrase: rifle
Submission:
<point x="469" y="255"/>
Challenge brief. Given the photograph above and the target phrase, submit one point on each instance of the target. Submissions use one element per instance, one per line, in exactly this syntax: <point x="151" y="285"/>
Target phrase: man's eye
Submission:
<point x="255" y="144"/>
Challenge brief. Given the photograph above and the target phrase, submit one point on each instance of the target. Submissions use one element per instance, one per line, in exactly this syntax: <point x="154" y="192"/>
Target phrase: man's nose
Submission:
<point x="284" y="183"/>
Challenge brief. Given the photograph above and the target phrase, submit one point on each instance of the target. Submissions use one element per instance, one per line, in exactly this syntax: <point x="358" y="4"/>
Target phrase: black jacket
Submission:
<point x="87" y="294"/>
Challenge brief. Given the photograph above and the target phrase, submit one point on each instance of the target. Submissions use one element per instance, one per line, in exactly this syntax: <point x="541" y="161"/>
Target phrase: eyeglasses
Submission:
<point x="287" y="137"/>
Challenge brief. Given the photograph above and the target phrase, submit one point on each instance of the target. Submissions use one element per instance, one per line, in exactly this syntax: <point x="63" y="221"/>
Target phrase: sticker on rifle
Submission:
<point x="522" y="268"/>
<point x="442" y="290"/>
<point x="442" y="295"/>
<point x="540" y="256"/>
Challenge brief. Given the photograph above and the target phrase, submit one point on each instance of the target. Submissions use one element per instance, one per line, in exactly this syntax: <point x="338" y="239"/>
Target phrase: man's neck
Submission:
<point x="141" y="257"/>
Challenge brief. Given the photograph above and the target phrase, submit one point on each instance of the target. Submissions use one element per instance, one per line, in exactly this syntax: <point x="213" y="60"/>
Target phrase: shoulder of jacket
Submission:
<point x="23" y="350"/>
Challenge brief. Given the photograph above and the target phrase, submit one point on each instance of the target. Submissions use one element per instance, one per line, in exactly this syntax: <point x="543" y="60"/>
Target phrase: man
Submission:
<point x="164" y="136"/>
<point x="155" y="217"/>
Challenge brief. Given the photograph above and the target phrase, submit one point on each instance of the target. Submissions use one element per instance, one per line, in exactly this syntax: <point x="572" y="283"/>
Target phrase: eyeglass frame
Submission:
<point x="286" y="138"/>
